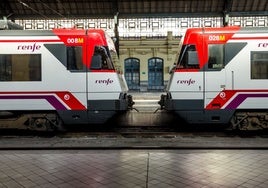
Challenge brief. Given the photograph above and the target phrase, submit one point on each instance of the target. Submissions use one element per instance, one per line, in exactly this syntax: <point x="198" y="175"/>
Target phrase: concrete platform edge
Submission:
<point x="123" y="143"/>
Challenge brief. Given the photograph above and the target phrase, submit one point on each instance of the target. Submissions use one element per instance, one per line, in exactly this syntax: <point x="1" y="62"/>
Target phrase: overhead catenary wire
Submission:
<point x="43" y="15"/>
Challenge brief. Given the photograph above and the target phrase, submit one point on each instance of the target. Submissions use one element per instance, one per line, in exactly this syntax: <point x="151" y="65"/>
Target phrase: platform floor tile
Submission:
<point x="133" y="168"/>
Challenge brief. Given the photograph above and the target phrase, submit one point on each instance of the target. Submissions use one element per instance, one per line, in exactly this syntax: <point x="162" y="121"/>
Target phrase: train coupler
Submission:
<point x="162" y="102"/>
<point x="131" y="103"/>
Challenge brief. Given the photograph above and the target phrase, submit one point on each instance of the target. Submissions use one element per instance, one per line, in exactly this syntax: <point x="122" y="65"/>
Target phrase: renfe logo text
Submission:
<point x="186" y="82"/>
<point x="264" y="45"/>
<point x="106" y="82"/>
<point x="30" y="47"/>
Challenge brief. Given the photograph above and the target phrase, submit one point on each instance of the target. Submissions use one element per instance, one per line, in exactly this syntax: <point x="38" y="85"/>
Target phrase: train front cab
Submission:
<point x="199" y="76"/>
<point x="106" y="88"/>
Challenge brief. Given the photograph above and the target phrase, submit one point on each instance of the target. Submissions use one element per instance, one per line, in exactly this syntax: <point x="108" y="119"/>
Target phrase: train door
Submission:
<point x="75" y="83"/>
<point x="214" y="73"/>
<point x="215" y="83"/>
<point x="132" y="73"/>
<point x="155" y="74"/>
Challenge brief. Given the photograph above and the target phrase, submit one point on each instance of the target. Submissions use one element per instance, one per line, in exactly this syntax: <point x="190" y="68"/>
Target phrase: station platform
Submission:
<point x="146" y="101"/>
<point x="123" y="162"/>
<point x="133" y="168"/>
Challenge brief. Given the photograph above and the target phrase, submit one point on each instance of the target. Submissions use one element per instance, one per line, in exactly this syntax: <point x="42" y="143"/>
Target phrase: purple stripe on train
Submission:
<point x="241" y="97"/>
<point x="51" y="99"/>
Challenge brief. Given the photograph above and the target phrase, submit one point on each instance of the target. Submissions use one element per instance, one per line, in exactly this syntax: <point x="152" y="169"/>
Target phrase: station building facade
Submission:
<point x="147" y="61"/>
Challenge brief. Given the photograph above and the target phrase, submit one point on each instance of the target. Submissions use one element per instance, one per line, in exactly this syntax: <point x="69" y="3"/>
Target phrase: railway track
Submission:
<point x="143" y="137"/>
<point x="134" y="131"/>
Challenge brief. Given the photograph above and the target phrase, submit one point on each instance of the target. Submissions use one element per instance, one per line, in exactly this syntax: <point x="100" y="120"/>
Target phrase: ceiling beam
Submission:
<point x="248" y="13"/>
<point x="133" y="9"/>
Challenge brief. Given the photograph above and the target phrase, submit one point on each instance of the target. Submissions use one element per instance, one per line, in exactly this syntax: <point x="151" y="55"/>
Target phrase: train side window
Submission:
<point x="102" y="59"/>
<point x="259" y="65"/>
<point x="74" y="58"/>
<point x="20" y="67"/>
<point x="216" y="56"/>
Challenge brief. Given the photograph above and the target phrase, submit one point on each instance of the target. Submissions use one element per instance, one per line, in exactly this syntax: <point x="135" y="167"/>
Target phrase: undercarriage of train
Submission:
<point x="249" y="121"/>
<point x="31" y="121"/>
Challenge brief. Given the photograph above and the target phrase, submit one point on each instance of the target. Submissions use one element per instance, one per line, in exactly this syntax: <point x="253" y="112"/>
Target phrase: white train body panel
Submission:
<point x="104" y="86"/>
<point x="182" y="86"/>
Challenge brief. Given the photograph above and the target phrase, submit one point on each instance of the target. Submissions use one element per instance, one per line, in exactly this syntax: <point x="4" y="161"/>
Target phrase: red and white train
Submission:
<point x="221" y="77"/>
<point x="61" y="76"/>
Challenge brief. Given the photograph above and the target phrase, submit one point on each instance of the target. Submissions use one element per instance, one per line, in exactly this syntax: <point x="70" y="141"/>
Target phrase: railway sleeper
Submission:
<point x="250" y="121"/>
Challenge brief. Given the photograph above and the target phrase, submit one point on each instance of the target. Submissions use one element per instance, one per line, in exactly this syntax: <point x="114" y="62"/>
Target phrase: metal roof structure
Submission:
<point x="59" y="9"/>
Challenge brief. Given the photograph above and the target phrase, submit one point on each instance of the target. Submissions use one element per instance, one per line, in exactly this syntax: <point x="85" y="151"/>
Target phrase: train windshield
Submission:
<point x="188" y="58"/>
<point x="105" y="57"/>
<point x="113" y="53"/>
<point x="102" y="58"/>
<point x="178" y="54"/>
<point x="115" y="59"/>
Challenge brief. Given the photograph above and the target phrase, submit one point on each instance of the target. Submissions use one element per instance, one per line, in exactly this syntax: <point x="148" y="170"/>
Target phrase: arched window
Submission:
<point x="132" y="73"/>
<point x="155" y="74"/>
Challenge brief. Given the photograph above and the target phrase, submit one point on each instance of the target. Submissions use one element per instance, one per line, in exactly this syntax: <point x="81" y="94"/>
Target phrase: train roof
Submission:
<point x="221" y="35"/>
<point x="79" y="32"/>
<point x="228" y="29"/>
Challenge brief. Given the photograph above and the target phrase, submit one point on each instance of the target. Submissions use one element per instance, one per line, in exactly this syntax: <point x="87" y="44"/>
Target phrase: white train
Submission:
<point x="56" y="77"/>
<point x="221" y="77"/>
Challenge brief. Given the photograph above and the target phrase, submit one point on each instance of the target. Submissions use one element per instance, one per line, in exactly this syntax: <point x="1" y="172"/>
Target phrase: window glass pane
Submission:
<point x="155" y="73"/>
<point x="259" y="65"/>
<point x="132" y="73"/>
<point x="74" y="58"/>
<point x="188" y="58"/>
<point x="104" y="57"/>
<point x="215" y="56"/>
<point x="20" y="67"/>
